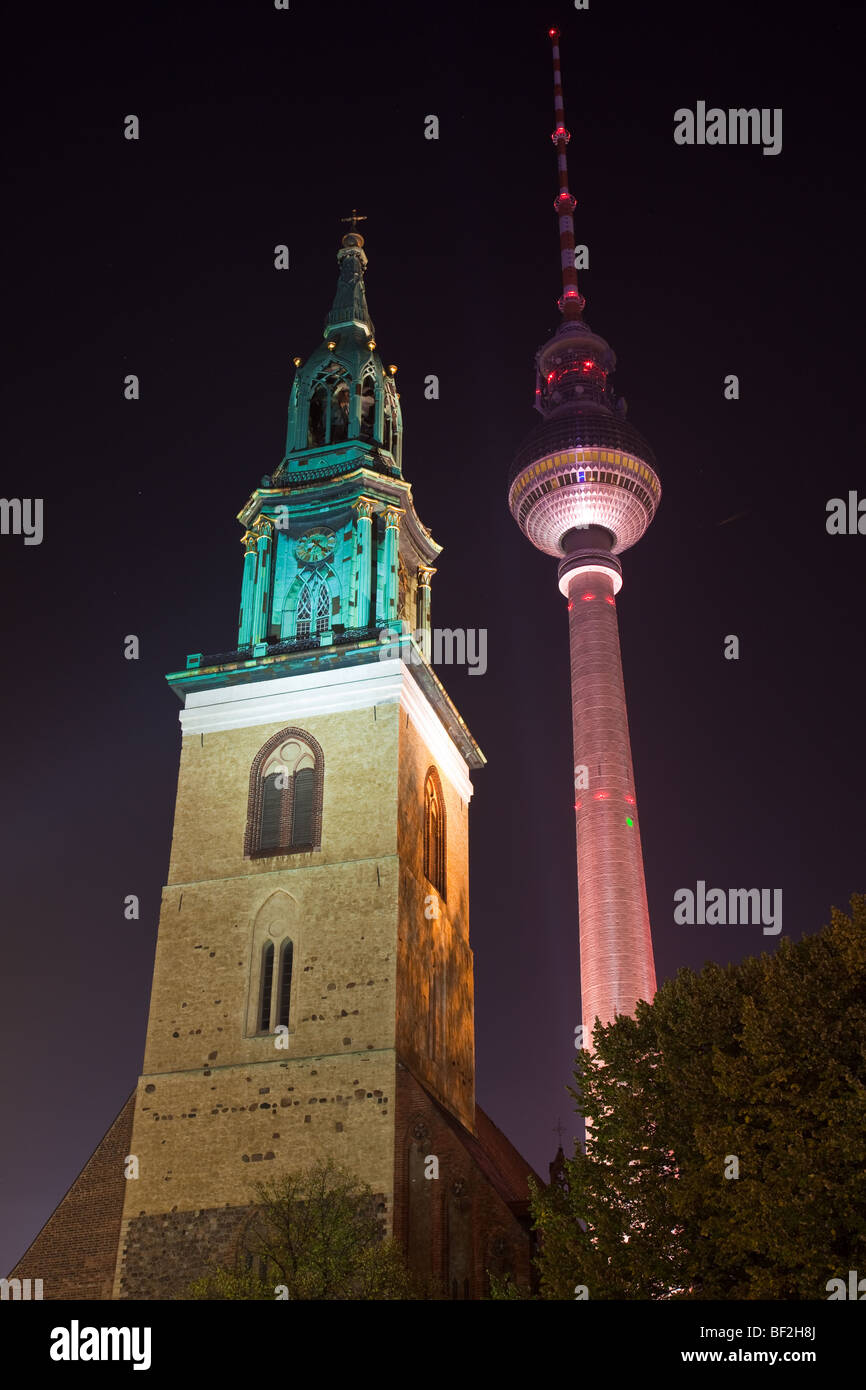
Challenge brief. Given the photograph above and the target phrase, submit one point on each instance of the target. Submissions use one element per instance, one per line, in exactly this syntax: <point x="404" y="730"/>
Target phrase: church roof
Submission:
<point x="499" y="1161"/>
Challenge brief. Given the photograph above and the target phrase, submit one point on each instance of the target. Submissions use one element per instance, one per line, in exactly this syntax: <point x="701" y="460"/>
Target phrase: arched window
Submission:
<point x="313" y="613"/>
<point x="368" y="406"/>
<point x="304" y="612"/>
<point x="328" y="415"/>
<point x="390" y="416"/>
<point x="284" y="814"/>
<point x="316" y="419"/>
<point x="339" y="412"/>
<point x="434" y="832"/>
<point x="323" y="609"/>
<point x="275" y="1003"/>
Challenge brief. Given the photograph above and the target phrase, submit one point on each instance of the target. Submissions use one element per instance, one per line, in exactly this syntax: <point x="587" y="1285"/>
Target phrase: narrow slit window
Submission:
<point x="285" y="986"/>
<point x="267" y="986"/>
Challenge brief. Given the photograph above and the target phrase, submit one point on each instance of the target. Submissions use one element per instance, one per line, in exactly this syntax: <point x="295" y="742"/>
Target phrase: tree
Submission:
<point x="726" y="1133"/>
<point x="313" y="1235"/>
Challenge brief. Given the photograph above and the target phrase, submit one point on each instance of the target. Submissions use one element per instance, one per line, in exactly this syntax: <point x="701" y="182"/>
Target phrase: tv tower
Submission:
<point x="584" y="488"/>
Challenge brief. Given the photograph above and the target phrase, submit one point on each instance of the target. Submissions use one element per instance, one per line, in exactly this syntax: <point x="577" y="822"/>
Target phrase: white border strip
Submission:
<point x="294" y="698"/>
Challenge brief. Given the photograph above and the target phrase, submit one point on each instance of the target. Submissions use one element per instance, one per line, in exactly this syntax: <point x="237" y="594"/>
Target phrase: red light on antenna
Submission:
<point x="553" y="33"/>
<point x="609" y="598"/>
<point x="586" y="597"/>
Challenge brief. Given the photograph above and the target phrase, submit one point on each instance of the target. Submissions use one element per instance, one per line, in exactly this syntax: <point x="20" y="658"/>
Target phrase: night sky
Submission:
<point x="261" y="127"/>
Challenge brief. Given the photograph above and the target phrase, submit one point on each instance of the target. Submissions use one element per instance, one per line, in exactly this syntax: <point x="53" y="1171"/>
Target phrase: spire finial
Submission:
<point x="350" y="300"/>
<point x="355" y="217"/>
<point x="572" y="301"/>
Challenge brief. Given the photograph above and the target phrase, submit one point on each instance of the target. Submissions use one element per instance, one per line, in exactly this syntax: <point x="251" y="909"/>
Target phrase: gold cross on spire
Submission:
<point x="356" y="217"/>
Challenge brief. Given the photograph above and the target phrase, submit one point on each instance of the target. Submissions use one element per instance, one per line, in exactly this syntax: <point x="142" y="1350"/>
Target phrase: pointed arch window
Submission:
<point x="313" y="613"/>
<point x="339" y="412"/>
<point x="434" y="832"/>
<point x="323" y="608"/>
<point x="284" y="814"/>
<point x="317" y="416"/>
<point x="304" y="612"/>
<point x="275" y="986"/>
<point x="390" y="433"/>
<point x="368" y="407"/>
<point x="328" y="411"/>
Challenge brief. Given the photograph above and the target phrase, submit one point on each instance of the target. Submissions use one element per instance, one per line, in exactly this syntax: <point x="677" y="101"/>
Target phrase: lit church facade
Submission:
<point x="313" y="987"/>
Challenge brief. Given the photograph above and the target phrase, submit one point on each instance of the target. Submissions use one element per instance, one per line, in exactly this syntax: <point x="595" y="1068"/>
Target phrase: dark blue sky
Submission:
<point x="262" y="127"/>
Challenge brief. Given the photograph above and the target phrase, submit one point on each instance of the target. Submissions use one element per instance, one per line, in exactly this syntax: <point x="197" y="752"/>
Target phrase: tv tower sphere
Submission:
<point x="584" y="488"/>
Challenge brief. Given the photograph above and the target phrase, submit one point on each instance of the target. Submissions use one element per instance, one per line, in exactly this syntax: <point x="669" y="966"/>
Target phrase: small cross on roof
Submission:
<point x="355" y="217"/>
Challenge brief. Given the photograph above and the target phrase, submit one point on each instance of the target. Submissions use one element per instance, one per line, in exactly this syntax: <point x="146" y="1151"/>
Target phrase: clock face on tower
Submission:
<point x="316" y="545"/>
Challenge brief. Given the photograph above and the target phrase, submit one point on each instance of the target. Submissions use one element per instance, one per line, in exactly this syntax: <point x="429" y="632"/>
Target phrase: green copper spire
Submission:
<point x="344" y="411"/>
<point x="350" y="301"/>
<point x="337" y="563"/>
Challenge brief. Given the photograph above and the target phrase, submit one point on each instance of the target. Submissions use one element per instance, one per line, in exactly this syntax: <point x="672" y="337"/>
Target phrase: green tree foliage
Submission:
<point x="316" y="1235"/>
<point x="758" y="1068"/>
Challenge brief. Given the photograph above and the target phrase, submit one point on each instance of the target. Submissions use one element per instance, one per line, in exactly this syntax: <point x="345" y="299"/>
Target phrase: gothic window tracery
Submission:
<point x="368" y="407"/>
<point x="339" y="412"/>
<point x="275" y="1003"/>
<point x="316" y="419"/>
<point x="313" y="613"/>
<point x="328" y="412"/>
<point x="285" y="802"/>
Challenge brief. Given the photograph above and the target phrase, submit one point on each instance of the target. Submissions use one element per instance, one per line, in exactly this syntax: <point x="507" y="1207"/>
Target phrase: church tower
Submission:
<point x="313" y="988"/>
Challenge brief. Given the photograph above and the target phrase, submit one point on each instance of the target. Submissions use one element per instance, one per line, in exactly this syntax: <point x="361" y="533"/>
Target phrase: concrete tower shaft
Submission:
<point x="584" y="487"/>
<point x="616" y="958"/>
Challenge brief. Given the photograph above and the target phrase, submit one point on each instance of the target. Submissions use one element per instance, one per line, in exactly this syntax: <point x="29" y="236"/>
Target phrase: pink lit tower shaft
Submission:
<point x="584" y="488"/>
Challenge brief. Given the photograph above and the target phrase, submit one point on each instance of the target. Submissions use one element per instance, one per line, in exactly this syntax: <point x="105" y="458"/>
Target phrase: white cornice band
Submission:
<point x="291" y="699"/>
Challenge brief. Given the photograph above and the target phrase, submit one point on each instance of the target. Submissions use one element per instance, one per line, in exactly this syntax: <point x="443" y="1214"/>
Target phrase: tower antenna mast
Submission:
<point x="571" y="304"/>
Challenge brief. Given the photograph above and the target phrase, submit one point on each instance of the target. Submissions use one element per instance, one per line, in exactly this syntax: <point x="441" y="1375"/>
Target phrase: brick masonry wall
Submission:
<point x="204" y="1139"/>
<point x="435" y="983"/>
<point x="466" y="1224"/>
<point x="74" y="1254"/>
<point x="163" y="1253"/>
